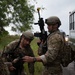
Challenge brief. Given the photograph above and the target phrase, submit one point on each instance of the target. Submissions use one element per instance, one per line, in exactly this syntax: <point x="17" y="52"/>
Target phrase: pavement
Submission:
<point x="70" y="69"/>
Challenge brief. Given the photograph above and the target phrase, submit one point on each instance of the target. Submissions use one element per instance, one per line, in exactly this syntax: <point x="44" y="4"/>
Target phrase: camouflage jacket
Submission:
<point x="12" y="53"/>
<point x="3" y="68"/>
<point x="55" y="45"/>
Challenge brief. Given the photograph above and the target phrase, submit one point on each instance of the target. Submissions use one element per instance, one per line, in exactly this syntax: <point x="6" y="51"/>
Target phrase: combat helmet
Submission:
<point x="53" y="20"/>
<point x="29" y="35"/>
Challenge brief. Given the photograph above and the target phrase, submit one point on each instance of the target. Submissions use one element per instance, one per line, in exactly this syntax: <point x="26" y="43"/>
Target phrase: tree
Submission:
<point x="17" y="13"/>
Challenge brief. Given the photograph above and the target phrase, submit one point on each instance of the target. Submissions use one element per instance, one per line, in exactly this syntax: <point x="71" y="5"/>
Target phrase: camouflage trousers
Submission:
<point x="51" y="74"/>
<point x="46" y="72"/>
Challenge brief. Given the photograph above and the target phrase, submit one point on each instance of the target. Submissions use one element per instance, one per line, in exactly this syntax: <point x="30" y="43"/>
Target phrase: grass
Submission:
<point x="73" y="40"/>
<point x="38" y="65"/>
<point x="6" y="40"/>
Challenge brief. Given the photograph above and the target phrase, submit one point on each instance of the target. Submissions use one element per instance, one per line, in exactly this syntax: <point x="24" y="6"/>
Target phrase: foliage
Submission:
<point x="16" y="13"/>
<point x="5" y="40"/>
<point x="73" y="40"/>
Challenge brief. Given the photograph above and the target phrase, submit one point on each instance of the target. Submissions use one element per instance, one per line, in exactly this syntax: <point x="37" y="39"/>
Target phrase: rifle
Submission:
<point x="43" y="34"/>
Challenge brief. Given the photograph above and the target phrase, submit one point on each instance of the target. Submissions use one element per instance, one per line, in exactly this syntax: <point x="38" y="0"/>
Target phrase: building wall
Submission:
<point x="72" y="24"/>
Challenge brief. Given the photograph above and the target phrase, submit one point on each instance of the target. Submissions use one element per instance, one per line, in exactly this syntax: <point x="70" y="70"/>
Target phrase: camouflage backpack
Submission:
<point x="68" y="54"/>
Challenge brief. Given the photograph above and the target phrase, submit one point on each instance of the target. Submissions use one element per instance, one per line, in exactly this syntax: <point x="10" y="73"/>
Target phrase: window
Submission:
<point x="72" y="21"/>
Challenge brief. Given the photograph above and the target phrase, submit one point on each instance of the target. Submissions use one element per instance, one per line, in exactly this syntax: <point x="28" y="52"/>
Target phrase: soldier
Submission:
<point x="16" y="50"/>
<point x="55" y="42"/>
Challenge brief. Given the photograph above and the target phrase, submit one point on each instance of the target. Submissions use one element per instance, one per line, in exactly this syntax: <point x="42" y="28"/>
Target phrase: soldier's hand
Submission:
<point x="15" y="60"/>
<point x="11" y="68"/>
<point x="27" y="59"/>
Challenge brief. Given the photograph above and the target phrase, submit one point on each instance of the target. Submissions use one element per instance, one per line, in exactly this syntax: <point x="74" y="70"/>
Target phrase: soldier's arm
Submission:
<point x="50" y="55"/>
<point x="7" y="52"/>
<point x="3" y="68"/>
<point x="54" y="45"/>
<point x="10" y="47"/>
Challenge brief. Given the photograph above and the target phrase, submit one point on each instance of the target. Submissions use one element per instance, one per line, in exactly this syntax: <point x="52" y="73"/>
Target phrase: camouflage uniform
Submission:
<point x="53" y="55"/>
<point x="18" y="52"/>
<point x="3" y="68"/>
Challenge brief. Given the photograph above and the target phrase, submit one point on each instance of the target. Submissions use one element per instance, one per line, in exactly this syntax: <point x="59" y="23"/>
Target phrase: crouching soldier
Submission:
<point x="16" y="50"/>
